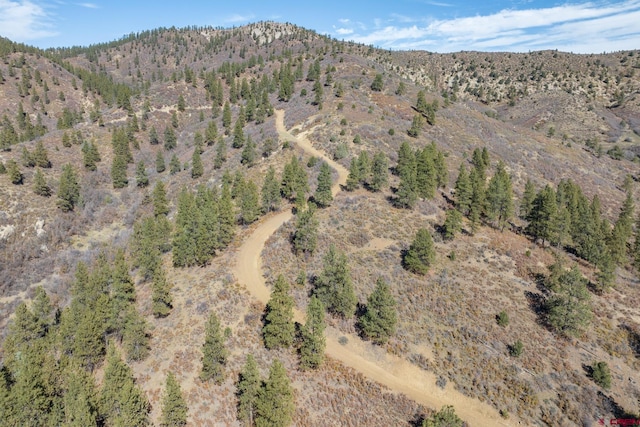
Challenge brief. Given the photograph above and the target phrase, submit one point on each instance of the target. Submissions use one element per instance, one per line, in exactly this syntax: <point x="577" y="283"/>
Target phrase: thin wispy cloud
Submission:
<point x="89" y="5"/>
<point x="238" y="19"/>
<point x="580" y="28"/>
<point x="24" y="21"/>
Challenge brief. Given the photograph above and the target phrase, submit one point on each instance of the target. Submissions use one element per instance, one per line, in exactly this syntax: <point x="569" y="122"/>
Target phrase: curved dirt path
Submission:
<point x="374" y="363"/>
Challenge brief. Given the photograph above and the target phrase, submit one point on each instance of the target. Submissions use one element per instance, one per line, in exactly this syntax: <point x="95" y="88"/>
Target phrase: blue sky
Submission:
<point x="434" y="25"/>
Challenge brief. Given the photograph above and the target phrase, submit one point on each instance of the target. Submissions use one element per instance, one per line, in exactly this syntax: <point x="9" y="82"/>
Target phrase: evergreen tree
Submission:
<point x="119" y="172"/>
<point x="543" y="215"/>
<point x="238" y="134"/>
<point x="122" y="292"/>
<point x="406" y="195"/>
<point x="500" y="197"/>
<point x="69" y="189"/>
<point x="380" y="172"/>
<point x="249" y="203"/>
<point x="197" y="169"/>
<point x="421" y="254"/>
<point x="15" y="175"/>
<point x="528" y="196"/>
<point x="452" y="223"/>
<point x="305" y="236"/>
<point x="270" y="191"/>
<point x="80" y="400"/>
<point x="378" y="322"/>
<point x="445" y="417"/>
<point x="160" y="203"/>
<point x="121" y="401"/>
<point x="211" y="133"/>
<point x="40" y="186"/>
<point x="154" y="139"/>
<point x="323" y="196"/>
<point x="142" y="180"/>
<point x="221" y="154"/>
<point x="160" y="164"/>
<point x="279" y="329"/>
<point x="463" y="190"/>
<point x="275" y="404"/>
<point x="313" y="340"/>
<point x="170" y="139"/>
<point x="174" y="407"/>
<point x="226" y="217"/>
<point x="333" y="286"/>
<point x="40" y="156"/>
<point x="160" y="293"/>
<point x="248" y="155"/>
<point x="135" y="339"/>
<point x="568" y="308"/>
<point x="636" y="245"/>
<point x="90" y="156"/>
<point x="377" y="83"/>
<point x="248" y="391"/>
<point x="174" y="165"/>
<point x="226" y="118"/>
<point x="416" y="126"/>
<point x="214" y="352"/>
<point x="426" y="179"/>
<point x="353" y="179"/>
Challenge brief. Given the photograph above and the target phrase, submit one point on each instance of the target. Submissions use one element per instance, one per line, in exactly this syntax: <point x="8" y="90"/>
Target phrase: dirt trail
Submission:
<point x="374" y="363"/>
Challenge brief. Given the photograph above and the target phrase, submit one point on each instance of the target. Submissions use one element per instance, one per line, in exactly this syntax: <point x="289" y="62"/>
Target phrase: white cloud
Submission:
<point x="581" y="28"/>
<point x="237" y="18"/>
<point x="24" y="20"/>
<point x="89" y="5"/>
<point x="343" y="31"/>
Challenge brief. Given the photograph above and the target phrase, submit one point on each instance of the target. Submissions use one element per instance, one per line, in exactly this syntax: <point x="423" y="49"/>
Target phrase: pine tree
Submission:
<point x="122" y="292"/>
<point x="543" y="215"/>
<point x="226" y="217"/>
<point x="636" y="245"/>
<point x="160" y="293"/>
<point x="80" y="400"/>
<point x="170" y="139"/>
<point x="214" y="353"/>
<point x="121" y="401"/>
<point x="15" y="175"/>
<point x="270" y="191"/>
<point x="221" y="154"/>
<point x="380" y="172"/>
<point x="275" y="404"/>
<point x="174" y="407"/>
<point x="249" y="203"/>
<point x="248" y="391"/>
<point x="323" y="196"/>
<point x="160" y="203"/>
<point x="40" y="156"/>
<point x="160" y="164"/>
<point x="416" y="126"/>
<point x="353" y="179"/>
<point x="421" y="254"/>
<point x="69" y="189"/>
<point x="238" y="134"/>
<point x="500" y="197"/>
<point x="154" y="139"/>
<point x="463" y="190"/>
<point x="226" y="118"/>
<point x="142" y="180"/>
<point x="174" y="165"/>
<point x="119" y="172"/>
<point x="568" y="309"/>
<point x="445" y="417"/>
<point x="333" y="286"/>
<point x="426" y="180"/>
<point x="528" y="196"/>
<point x="90" y="156"/>
<point x="452" y="223"/>
<point x="197" y="169"/>
<point x="379" y="320"/>
<point x="249" y="154"/>
<point x="377" y="83"/>
<point x="313" y="340"/>
<point x="305" y="236"/>
<point x="135" y="339"/>
<point x="279" y="329"/>
<point x="211" y="134"/>
<point x="40" y="186"/>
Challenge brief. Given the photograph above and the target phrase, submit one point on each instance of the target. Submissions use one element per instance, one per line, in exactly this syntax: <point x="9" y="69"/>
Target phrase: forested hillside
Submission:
<point x="266" y="226"/>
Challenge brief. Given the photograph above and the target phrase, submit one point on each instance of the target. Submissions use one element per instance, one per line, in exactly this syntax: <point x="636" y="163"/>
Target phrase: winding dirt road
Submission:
<point x="374" y="363"/>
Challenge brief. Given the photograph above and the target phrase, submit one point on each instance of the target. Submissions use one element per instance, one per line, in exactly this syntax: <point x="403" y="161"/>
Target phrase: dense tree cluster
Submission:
<point x="421" y="173"/>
